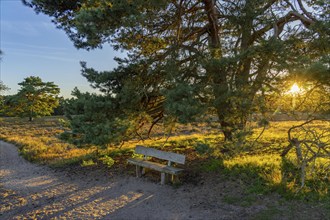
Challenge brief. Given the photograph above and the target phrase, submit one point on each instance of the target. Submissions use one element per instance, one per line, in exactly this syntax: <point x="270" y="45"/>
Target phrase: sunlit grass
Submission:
<point x="258" y="164"/>
<point x="38" y="140"/>
<point x="269" y="165"/>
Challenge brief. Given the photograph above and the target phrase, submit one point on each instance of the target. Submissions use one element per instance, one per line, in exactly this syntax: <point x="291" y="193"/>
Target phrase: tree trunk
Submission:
<point x="231" y="119"/>
<point x="220" y="86"/>
<point x="31" y="115"/>
<point x="226" y="129"/>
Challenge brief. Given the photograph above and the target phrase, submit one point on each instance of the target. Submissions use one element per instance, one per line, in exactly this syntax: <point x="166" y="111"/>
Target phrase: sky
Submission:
<point x="33" y="46"/>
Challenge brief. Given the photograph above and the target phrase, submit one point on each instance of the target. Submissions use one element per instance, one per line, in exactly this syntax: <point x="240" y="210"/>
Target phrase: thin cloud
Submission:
<point x="21" y="28"/>
<point x="44" y="56"/>
<point x="53" y="56"/>
<point x="9" y="44"/>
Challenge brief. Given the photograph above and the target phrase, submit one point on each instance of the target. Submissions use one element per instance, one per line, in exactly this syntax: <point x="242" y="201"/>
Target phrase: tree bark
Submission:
<point x="31" y="115"/>
<point x="218" y="76"/>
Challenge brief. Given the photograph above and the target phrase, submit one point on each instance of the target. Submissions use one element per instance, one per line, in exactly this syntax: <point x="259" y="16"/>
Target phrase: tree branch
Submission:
<point x="309" y="15"/>
<point x="279" y="24"/>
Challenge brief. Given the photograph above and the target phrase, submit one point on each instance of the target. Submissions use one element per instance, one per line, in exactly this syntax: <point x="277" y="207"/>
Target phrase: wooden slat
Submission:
<point x="176" y="158"/>
<point x="155" y="166"/>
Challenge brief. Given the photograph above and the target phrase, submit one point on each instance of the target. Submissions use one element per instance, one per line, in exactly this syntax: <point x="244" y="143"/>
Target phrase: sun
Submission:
<point x="295" y="89"/>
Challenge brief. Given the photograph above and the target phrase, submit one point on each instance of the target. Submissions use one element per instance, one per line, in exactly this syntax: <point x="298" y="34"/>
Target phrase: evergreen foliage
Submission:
<point x="34" y="99"/>
<point x="186" y="58"/>
<point x="59" y="110"/>
<point x="3" y="88"/>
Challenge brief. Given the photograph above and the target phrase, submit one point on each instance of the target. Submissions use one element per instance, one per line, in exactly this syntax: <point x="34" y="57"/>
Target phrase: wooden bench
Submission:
<point x="164" y="169"/>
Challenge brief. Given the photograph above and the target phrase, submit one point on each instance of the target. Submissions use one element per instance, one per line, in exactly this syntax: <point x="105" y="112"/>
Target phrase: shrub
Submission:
<point x="108" y="161"/>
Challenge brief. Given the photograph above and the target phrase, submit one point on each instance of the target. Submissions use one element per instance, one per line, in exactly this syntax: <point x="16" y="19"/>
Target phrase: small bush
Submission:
<point x="212" y="165"/>
<point x="86" y="163"/>
<point x="65" y="136"/>
<point x="203" y="148"/>
<point x="64" y="122"/>
<point x="108" y="161"/>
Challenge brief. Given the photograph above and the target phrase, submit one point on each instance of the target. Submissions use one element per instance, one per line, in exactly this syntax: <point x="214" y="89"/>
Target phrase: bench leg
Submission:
<point x="162" y="178"/>
<point x="175" y="179"/>
<point x="138" y="171"/>
<point x="172" y="178"/>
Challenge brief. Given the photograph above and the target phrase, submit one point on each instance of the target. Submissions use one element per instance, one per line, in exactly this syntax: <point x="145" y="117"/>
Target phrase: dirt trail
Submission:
<point x="32" y="191"/>
<point x="29" y="191"/>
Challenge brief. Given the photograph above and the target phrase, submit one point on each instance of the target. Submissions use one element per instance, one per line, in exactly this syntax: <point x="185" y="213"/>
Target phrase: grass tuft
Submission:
<point x="258" y="166"/>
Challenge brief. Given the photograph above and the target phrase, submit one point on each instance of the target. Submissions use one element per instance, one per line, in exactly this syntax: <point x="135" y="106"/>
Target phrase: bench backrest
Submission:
<point x="151" y="152"/>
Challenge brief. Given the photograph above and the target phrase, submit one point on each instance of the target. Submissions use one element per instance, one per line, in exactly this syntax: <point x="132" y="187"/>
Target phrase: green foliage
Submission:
<point x="59" y="110"/>
<point x="3" y="87"/>
<point x="96" y="119"/>
<point x="186" y="58"/>
<point x="202" y="148"/>
<point x="182" y="102"/>
<point x="66" y="136"/>
<point x="108" y="161"/>
<point x="64" y="123"/>
<point x="86" y="163"/>
<point x="34" y="99"/>
<point x="212" y="165"/>
<point x="316" y="176"/>
<point x="256" y="171"/>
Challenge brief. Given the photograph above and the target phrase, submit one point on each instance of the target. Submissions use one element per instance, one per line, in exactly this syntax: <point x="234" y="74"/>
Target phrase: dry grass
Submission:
<point x="39" y="140"/>
<point x="259" y="166"/>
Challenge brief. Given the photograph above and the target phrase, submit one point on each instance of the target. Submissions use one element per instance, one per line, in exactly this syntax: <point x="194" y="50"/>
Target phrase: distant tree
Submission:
<point x="59" y="110"/>
<point x="3" y="87"/>
<point x="35" y="98"/>
<point x="187" y="58"/>
<point x="10" y="106"/>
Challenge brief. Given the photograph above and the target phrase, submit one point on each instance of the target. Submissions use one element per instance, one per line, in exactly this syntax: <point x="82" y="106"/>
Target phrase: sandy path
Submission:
<point x="32" y="191"/>
<point x="29" y="191"/>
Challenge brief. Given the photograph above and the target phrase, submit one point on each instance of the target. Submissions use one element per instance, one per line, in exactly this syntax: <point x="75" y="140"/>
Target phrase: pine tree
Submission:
<point x="187" y="58"/>
<point x="35" y="98"/>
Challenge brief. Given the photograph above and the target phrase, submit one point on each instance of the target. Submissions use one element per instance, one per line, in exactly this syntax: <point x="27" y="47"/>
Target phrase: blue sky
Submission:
<point x="33" y="46"/>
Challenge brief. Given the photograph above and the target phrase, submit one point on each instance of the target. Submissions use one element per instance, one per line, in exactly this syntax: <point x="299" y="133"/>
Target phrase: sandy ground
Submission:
<point x="29" y="191"/>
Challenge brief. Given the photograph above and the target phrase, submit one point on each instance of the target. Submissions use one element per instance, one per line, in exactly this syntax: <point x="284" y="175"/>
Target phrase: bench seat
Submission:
<point x="155" y="166"/>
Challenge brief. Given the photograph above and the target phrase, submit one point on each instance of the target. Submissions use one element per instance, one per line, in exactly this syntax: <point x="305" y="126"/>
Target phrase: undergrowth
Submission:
<point x="258" y="168"/>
